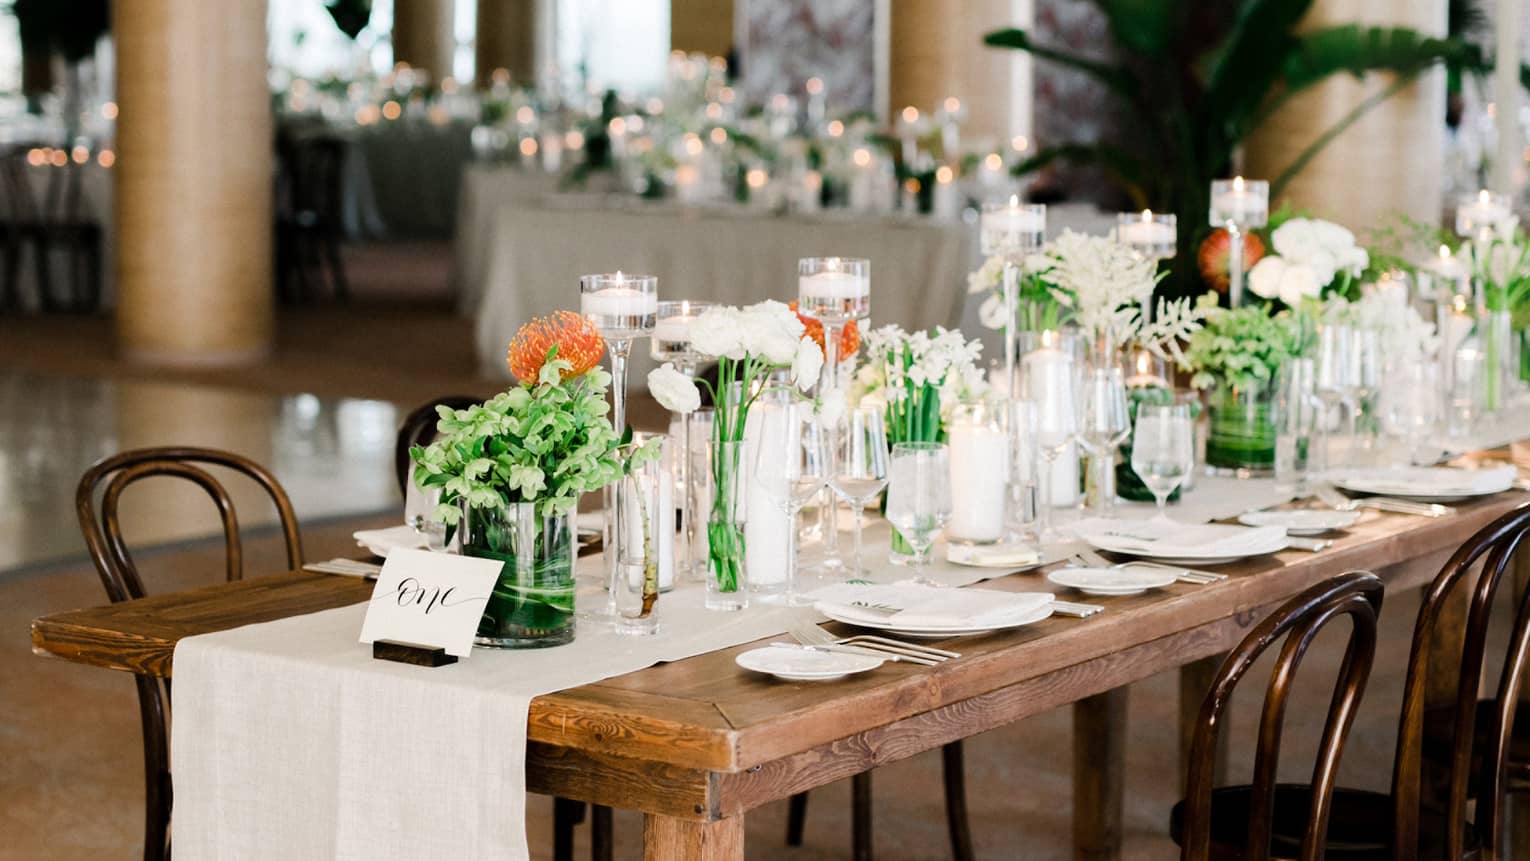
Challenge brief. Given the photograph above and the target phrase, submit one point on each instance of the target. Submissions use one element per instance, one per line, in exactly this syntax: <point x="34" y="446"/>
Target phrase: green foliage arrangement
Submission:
<point x="1241" y="347"/>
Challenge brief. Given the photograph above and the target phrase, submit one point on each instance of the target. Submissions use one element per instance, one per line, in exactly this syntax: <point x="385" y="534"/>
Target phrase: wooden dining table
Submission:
<point x="696" y="744"/>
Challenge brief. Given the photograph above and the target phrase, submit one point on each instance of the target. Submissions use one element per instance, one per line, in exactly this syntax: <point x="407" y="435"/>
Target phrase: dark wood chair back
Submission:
<point x="109" y="552"/>
<point x="419" y="428"/>
<point x="1489" y="552"/>
<point x="1356" y="595"/>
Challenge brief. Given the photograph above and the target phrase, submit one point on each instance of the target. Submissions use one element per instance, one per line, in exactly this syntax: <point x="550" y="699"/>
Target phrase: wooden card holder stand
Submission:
<point x="409" y="653"/>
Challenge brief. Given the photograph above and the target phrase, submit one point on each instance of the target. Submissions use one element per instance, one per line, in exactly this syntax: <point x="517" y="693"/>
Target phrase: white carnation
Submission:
<point x="673" y="390"/>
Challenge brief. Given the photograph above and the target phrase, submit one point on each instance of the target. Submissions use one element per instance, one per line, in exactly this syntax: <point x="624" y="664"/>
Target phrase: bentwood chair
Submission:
<point x="109" y="552"/>
<point x="1240" y="821"/>
<point x="419" y="428"/>
<point x="309" y="200"/>
<point x="1428" y="819"/>
<point x="43" y="207"/>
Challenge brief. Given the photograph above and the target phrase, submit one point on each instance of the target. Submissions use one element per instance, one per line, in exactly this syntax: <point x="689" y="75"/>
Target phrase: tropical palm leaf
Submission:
<point x="1117" y="79"/>
<point x="1147" y="27"/>
<point x="1357" y="50"/>
<point x="1241" y="71"/>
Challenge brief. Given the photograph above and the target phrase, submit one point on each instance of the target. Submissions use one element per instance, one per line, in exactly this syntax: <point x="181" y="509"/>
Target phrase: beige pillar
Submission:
<point x="423" y="37"/>
<point x="1391" y="160"/>
<point x="936" y="53"/>
<point x="701" y="26"/>
<point x="193" y="182"/>
<point x="506" y="39"/>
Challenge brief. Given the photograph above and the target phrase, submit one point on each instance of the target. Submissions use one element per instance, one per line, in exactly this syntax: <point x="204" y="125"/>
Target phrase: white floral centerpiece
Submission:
<point x="749" y="344"/>
<point x="1312" y="259"/>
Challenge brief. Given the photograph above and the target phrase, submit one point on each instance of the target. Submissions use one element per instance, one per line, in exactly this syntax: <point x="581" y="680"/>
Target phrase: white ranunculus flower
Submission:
<point x="1283" y="279"/>
<point x="806" y="364"/>
<point x="673" y="390"/>
<point x="771" y="331"/>
<point x="717" y="332"/>
<point x="1299" y="283"/>
<point x="1264" y="278"/>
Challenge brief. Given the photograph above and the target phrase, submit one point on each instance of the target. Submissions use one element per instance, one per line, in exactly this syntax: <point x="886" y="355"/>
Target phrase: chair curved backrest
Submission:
<point x="1357" y="595"/>
<point x="108" y="550"/>
<point x="1492" y="547"/>
<point x="103" y="534"/>
<point x="419" y="428"/>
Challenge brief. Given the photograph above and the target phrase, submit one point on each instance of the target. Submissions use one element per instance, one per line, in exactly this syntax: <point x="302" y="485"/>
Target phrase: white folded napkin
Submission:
<point x="381" y="541"/>
<point x="923" y="606"/>
<point x="992" y="555"/>
<point x="1207" y="539"/>
<point x="1428" y="480"/>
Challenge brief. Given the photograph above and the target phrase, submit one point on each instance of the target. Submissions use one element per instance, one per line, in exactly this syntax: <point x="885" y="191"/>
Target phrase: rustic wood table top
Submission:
<point x="700" y="741"/>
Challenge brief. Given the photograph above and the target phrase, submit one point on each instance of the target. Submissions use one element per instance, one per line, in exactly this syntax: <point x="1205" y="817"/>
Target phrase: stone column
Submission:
<point x="423" y="37"/>
<point x="193" y="182"/>
<point x="936" y="53"/>
<point x="507" y="39"/>
<point x="704" y="26"/>
<point x="1391" y="160"/>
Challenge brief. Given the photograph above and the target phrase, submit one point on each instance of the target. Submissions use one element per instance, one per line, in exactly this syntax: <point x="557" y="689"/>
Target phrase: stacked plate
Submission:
<point x="1183" y="544"/>
<point x="804" y="665"/>
<point x="1426" y="483"/>
<point x="916" y="610"/>
<point x="1127" y="580"/>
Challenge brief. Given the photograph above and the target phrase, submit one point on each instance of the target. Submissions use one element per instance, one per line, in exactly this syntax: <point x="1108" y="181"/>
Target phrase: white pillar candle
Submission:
<point x="552" y="151"/>
<point x="1047" y="372"/>
<point x="619" y="302"/>
<point x="947" y="201"/>
<point x="767" y="529"/>
<point x="833" y="286"/>
<point x="1244" y="203"/>
<point x="979" y="470"/>
<point x="1483" y="215"/>
<point x="675" y="329"/>
<point x="1144" y="231"/>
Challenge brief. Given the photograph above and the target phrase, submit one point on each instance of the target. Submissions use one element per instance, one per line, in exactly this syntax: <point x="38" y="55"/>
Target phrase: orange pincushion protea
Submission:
<point x="849" y="337"/>
<point x="578" y="341"/>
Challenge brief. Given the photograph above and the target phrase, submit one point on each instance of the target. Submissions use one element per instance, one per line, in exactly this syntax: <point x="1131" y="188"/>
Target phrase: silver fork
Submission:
<point x="813" y="637"/>
<point x="1331" y="497"/>
<point x="1092" y="559"/>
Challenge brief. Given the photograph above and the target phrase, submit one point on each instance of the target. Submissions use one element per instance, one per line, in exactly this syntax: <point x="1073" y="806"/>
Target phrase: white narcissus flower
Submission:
<point x="718" y="332"/>
<point x="806" y="364"/>
<point x="673" y="390"/>
<point x="988" y="277"/>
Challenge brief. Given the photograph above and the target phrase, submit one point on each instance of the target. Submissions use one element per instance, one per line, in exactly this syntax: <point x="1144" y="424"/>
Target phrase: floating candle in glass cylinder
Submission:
<point x="1151" y="234"/>
<point x="1012" y="228"/>
<point x="1148" y="370"/>
<point x="834" y="289"/>
<point x="621" y="306"/>
<point x="1484" y="215"/>
<point x="1241" y="202"/>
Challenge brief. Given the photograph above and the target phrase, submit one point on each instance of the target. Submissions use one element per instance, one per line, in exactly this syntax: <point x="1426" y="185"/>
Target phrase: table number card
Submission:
<point x="430" y="599"/>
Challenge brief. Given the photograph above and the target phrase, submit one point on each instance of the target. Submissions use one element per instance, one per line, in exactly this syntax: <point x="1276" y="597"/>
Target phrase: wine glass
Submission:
<point x="860" y="464"/>
<point x="1103" y="424"/>
<point x="1333" y="368"/>
<point x="919" y="494"/>
<point x="790" y="475"/>
<point x="1413" y="408"/>
<point x="1051" y="383"/>
<point x="1163" y="450"/>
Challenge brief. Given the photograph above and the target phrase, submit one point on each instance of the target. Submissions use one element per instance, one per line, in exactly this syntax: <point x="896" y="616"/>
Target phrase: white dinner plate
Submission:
<point x="1179" y="557"/>
<point x="805" y="665"/>
<point x="1396" y="483"/>
<point x="1301" y="521"/>
<point x="935" y="632"/>
<point x="1113" y="581"/>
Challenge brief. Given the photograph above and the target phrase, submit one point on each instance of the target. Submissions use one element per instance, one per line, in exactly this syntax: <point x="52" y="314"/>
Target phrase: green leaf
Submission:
<point x="1241" y="71"/>
<point x="1148" y="27"/>
<point x="1115" y="78"/>
<point x="1123" y="166"/>
<point x="1357" y="50"/>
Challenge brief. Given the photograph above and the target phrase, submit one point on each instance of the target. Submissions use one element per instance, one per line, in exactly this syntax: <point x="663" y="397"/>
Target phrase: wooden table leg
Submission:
<point x="1195" y="680"/>
<point x="860" y="816"/>
<point x="666" y="838"/>
<point x="1099" y="768"/>
<point x="602" y="838"/>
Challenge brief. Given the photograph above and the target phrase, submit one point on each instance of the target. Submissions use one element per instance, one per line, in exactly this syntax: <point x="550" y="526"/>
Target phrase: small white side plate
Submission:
<point x="1112" y="581"/>
<point x="804" y="665"/>
<point x="1301" y="521"/>
<point x="993" y="556"/>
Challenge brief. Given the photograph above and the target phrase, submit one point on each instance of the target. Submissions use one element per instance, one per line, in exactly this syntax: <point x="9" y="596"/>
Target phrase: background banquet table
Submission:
<point x="696" y="743"/>
<point x="95" y="184"/>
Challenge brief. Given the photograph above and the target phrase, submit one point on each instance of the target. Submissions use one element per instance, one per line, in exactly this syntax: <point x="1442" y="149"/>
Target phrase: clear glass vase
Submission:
<point x="532" y="604"/>
<point x="727" y="586"/>
<point x="1242" y="430"/>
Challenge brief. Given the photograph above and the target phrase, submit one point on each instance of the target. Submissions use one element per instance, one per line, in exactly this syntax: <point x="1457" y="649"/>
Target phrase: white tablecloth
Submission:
<point x="95" y="204"/>
<point x="918" y="267"/>
<point x="486" y="188"/>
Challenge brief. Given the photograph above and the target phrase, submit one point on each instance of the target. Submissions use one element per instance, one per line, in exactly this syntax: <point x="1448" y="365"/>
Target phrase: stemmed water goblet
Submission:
<point x="622" y="308"/>
<point x="1413" y="407"/>
<point x="1103" y="424"/>
<point x="1163" y="450"/>
<point x="790" y="475"/>
<point x="919" y="494"/>
<point x="1332" y="368"/>
<point x="834" y="291"/>
<point x="671" y="342"/>
<point x="860" y="465"/>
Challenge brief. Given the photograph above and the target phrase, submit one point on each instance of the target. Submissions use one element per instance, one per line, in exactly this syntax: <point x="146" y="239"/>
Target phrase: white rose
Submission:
<point x="673" y="390"/>
<point x="806" y="364"/>
<point x="717" y="333"/>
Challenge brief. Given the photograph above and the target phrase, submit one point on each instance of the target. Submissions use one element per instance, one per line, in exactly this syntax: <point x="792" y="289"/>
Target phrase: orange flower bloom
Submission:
<point x="849" y="337"/>
<point x="578" y="341"/>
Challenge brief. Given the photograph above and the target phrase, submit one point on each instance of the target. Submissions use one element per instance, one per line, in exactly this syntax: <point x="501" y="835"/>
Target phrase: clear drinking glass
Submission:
<point x="1021" y="510"/>
<point x="789" y="476"/>
<point x="1333" y="367"/>
<point x="645" y="546"/>
<point x="859" y="465"/>
<point x="1050" y="378"/>
<point x="1362" y="381"/>
<point x="1412" y="411"/>
<point x="1296" y="409"/>
<point x="919" y="494"/>
<point x="1103" y="424"/>
<point x="671" y="342"/>
<point x="1163" y="449"/>
<point x="420" y="513"/>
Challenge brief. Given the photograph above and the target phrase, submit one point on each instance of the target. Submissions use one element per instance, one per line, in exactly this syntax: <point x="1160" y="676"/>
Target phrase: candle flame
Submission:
<point x="911" y="114"/>
<point x="943" y="174"/>
<point x="1147" y="216"/>
<point x="1014" y="201"/>
<point x="1444" y="252"/>
<point x="1484" y="196"/>
<point x="1237" y="183"/>
<point x="814" y="86"/>
<point x="952" y="104"/>
<point x="1144" y="363"/>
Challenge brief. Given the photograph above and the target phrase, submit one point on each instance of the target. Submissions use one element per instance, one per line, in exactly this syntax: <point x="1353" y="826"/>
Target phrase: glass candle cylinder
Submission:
<point x="979" y="469"/>
<point x="1151" y="234"/>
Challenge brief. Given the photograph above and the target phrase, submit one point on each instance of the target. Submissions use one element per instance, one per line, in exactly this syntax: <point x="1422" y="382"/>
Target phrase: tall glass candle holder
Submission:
<point x="1239" y="205"/>
<point x="623" y="308"/>
<point x="1484" y="215"/>
<point x="833" y="291"/>
<point x="1151" y="234"/>
<point x="671" y="342"/>
<point x="1013" y="230"/>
